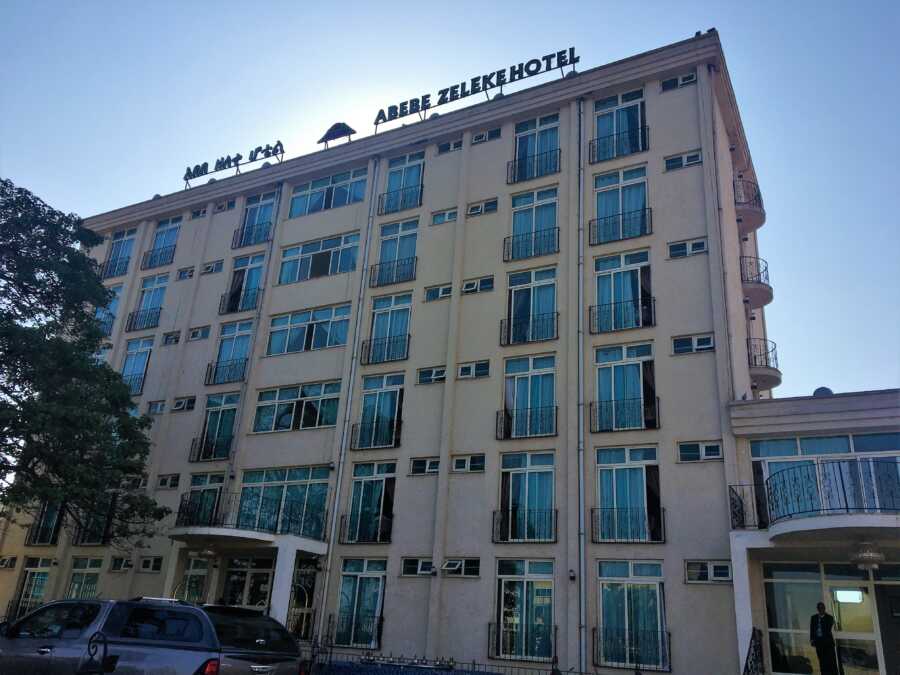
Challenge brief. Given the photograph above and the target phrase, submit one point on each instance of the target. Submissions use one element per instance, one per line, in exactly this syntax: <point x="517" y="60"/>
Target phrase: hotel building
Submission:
<point x="496" y="386"/>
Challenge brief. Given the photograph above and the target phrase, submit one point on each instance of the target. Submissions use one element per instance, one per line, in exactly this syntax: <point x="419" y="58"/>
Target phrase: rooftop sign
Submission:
<point x="481" y="83"/>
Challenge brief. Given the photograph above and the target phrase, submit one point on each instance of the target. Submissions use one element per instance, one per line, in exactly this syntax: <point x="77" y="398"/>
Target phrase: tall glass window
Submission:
<point x="624" y="295"/>
<point x="534" y="225"/>
<point x="246" y="284"/>
<point x="286" y="501"/>
<point x="390" y="328"/>
<point x="529" y="396"/>
<point x="85" y="575"/>
<point x="234" y="349"/>
<point x="162" y="252"/>
<point x="531" y="307"/>
<point x="360" y="604"/>
<point x="218" y="427"/>
<point x="622" y="211"/>
<point x="397" y="262"/>
<point x="620" y="126"/>
<point x="525" y="626"/>
<point x="404" y="183"/>
<point x="628" y="495"/>
<point x="526" y="498"/>
<point x="626" y="388"/>
<point x="537" y="148"/>
<point x="381" y="411"/>
<point x="137" y="356"/>
<point x="258" y="212"/>
<point x="120" y="249"/>
<point x="371" y="503"/>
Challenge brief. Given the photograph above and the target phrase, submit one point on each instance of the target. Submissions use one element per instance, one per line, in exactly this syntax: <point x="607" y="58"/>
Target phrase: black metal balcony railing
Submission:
<point x="143" y="319"/>
<point x="620" y="226"/>
<point x="114" y="267"/>
<point x="245" y="301"/>
<point x="409" y="197"/>
<point x="615" y="316"/>
<point x="536" y="328"/>
<point x="624" y="143"/>
<point x="520" y="640"/>
<point x="754" y="270"/>
<point x="223" y="372"/>
<point x="385" y="349"/>
<point x="364" y="529"/>
<point x="105" y="321"/>
<point x="392" y="272"/>
<point x="625" y="647"/>
<point x="754" y="664"/>
<point x="628" y="525"/>
<point x="624" y="414"/>
<point x="249" y="235"/>
<point x="524" y="525"/>
<point x="250" y="512"/>
<point x="533" y="166"/>
<point x="746" y="194"/>
<point x="373" y="435"/>
<point x="157" y="257"/>
<point x="205" y="449"/>
<point x="135" y="383"/>
<point x="531" y="244"/>
<point x="526" y="422"/>
<point x="763" y="353"/>
<point x="362" y="631"/>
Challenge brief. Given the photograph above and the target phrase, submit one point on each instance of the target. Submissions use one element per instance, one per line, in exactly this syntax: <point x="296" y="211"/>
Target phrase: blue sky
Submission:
<point x="103" y="104"/>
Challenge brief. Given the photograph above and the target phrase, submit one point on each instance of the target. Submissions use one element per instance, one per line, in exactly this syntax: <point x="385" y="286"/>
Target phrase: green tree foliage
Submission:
<point x="68" y="435"/>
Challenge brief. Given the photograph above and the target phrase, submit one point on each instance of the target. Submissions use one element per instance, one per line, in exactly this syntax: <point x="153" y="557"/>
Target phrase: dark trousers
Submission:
<point x="827" y="658"/>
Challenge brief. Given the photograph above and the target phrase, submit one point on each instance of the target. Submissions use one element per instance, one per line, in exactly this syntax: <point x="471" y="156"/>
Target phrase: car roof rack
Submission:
<point x="166" y="601"/>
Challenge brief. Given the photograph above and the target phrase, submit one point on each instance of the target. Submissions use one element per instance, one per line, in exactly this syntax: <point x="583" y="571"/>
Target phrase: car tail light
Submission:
<point x="211" y="667"/>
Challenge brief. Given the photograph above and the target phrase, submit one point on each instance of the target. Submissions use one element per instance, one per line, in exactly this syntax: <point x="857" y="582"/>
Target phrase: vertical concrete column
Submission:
<point x="280" y="597"/>
<point x="743" y="610"/>
<point x="172" y="568"/>
<point x="214" y="573"/>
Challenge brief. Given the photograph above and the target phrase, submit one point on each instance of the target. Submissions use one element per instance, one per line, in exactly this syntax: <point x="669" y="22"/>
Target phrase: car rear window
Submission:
<point x="154" y="623"/>
<point x="253" y="632"/>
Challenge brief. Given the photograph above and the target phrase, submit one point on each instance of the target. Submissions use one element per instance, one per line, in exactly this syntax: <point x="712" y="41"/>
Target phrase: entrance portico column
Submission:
<point x="172" y="569"/>
<point x="280" y="597"/>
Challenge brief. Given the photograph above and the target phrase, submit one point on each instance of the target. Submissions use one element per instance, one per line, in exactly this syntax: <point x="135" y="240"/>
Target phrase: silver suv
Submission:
<point x="150" y="636"/>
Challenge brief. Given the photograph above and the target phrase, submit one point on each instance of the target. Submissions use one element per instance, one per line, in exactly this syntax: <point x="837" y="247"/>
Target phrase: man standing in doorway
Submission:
<point x="820" y="636"/>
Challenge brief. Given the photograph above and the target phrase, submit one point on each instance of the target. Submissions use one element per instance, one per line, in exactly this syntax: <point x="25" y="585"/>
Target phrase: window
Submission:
<point x="537" y="149"/>
<point x="696" y="451"/>
<point x="307" y="406"/>
<point x="172" y="338"/>
<point x="529" y="398"/>
<point x="626" y="388"/>
<point x="530" y="307"/>
<point x="438" y="292"/>
<point x="150" y="302"/>
<point x="83" y="584"/>
<point x="119" y="253"/>
<point x="118" y="564"/>
<point x="371" y="504"/>
<point x="485" y="136"/>
<point x="681" y="81"/>
<point x="321" y="258"/>
<point x="382" y="408"/>
<point x="309" y="329"/>
<point x="184" y="403"/>
<point x="527" y="512"/>
<point x="680" y="161"/>
<point x="332" y="192"/>
<point x="534" y="226"/>
<point x="423" y="466"/>
<point x="404" y="183"/>
<point x="707" y="571"/>
<point x="8" y="562"/>
<point x="149" y="623"/>
<point x="624" y="293"/>
<point x="212" y="267"/>
<point x="525" y="620"/>
<point x="45" y="528"/>
<point x="162" y="250"/>
<point x="449" y="146"/>
<point x="225" y="206"/>
<point x="198" y="213"/>
<point x="389" y="330"/>
<point x="628" y="494"/>
<point x="683" y="249"/>
<point x="198" y="333"/>
<point x="218" y="428"/>
<point x="413" y="567"/>
<point x="156" y="407"/>
<point x="107" y="315"/>
<point x="631" y="594"/>
<point x="690" y="344"/>
<point x="474" y="369"/>
<point x="397" y="262"/>
<point x="193" y="582"/>
<point x="480" y="285"/>
<point x="622" y="211"/>
<point x="168" y="481"/>
<point x="442" y="217"/>
<point x="151" y="563"/>
<point x="246" y="285"/>
<point x="468" y="463"/>
<point x="359" y="611"/>
<point x="621" y="126"/>
<point x="257" y="225"/>
<point x="480" y="208"/>
<point x="431" y="375"/>
<point x="461" y="567"/>
<point x="134" y="368"/>
<point x="285" y="500"/>
<point x="185" y="273"/>
<point x="231" y="356"/>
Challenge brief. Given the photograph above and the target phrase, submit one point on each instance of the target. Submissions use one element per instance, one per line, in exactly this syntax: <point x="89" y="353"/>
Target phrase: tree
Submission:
<point x="69" y="435"/>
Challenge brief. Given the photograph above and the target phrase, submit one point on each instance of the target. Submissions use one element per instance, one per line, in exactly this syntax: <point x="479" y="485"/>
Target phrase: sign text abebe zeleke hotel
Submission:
<point x="480" y="83"/>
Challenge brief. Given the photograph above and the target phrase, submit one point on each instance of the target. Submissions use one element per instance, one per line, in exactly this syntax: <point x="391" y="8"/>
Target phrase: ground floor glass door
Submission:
<point x="248" y="582"/>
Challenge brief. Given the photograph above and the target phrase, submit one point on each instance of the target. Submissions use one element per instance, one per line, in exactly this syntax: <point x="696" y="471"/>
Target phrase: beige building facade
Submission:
<point x="480" y="387"/>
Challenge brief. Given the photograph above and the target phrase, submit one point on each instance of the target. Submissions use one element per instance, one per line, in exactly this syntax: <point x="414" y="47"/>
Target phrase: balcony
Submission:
<point x="763" y="357"/>
<point x="246" y="301"/>
<point x="627" y="414"/>
<point x="157" y="257"/>
<point x="143" y="319"/>
<point x="531" y="244"/>
<point x="522" y="526"/>
<point x="384" y="350"/>
<point x="526" y="423"/>
<point x="392" y="272"/>
<point x="374" y="435"/>
<point x="622" y="144"/>
<point x="620" y="226"/>
<point x="250" y="235"/>
<point x="400" y="200"/>
<point x="223" y="372"/>
<point x="625" y="315"/>
<point x="755" y="281"/>
<point x="114" y="267"/>
<point x="520" y="640"/>
<point x="366" y="530"/>
<point x="360" y="631"/>
<point x="205" y="449"/>
<point x="135" y="383"/>
<point x="628" y="526"/>
<point x="537" y="328"/>
<point x="748" y="206"/>
<point x="632" y="649"/>
<point x="533" y="166"/>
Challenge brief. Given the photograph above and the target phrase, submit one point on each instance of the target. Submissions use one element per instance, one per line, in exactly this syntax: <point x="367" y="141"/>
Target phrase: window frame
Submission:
<point x="295" y="256"/>
<point x="327" y="186"/>
<point x="710" y="566"/>
<point x="702" y="449"/>
<point x="298" y="406"/>
<point x="695" y="339"/>
<point x="310" y="328"/>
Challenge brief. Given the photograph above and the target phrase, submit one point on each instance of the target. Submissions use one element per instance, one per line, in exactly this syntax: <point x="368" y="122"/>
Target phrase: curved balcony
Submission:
<point x="755" y="281"/>
<point x="748" y="205"/>
<point x="763" y="357"/>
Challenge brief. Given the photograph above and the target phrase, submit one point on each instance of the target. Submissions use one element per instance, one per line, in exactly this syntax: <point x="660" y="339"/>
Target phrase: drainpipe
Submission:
<point x="582" y="563"/>
<point x="351" y="377"/>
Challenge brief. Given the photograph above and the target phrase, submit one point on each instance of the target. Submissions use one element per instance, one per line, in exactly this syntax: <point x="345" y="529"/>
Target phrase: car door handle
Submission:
<point x="43" y="651"/>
